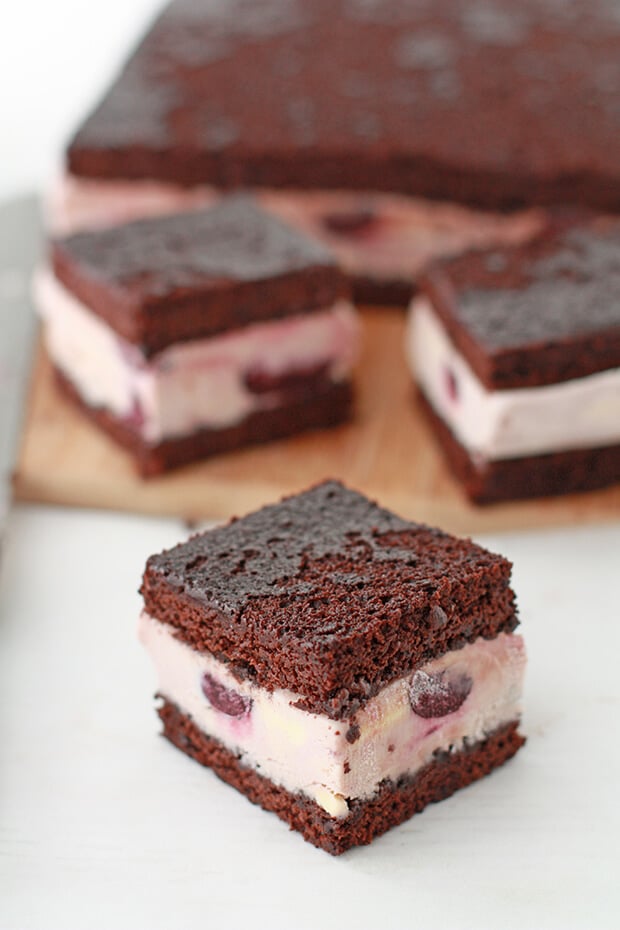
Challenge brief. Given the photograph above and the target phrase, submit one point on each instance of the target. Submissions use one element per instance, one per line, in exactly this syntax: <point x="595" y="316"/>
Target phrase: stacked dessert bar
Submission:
<point x="193" y="334"/>
<point x="517" y="356"/>
<point x="336" y="664"/>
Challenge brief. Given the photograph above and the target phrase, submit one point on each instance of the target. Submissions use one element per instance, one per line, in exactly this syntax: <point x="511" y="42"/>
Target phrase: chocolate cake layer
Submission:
<point x="382" y="239"/>
<point x="393" y="803"/>
<point x="395" y="292"/>
<point x="542" y="313"/>
<point x="197" y="274"/>
<point x="307" y="405"/>
<point x="378" y="95"/>
<point x="488" y="482"/>
<point x="328" y="595"/>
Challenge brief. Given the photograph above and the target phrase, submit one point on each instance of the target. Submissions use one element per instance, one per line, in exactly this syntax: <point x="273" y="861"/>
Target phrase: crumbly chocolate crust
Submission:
<point x="196" y="274"/>
<point x="394" y="802"/>
<point x="310" y="405"/>
<point x="328" y="595"/>
<point x="537" y="314"/>
<point x="392" y="102"/>
<point x="549" y="475"/>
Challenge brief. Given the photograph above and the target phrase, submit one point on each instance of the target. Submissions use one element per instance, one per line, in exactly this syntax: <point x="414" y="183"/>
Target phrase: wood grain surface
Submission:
<point x="389" y="453"/>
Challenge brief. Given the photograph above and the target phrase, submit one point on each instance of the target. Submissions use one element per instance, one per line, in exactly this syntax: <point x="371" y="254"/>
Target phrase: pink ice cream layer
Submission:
<point x="200" y="384"/>
<point x="460" y="697"/>
<point x="385" y="236"/>
<point x="582" y="413"/>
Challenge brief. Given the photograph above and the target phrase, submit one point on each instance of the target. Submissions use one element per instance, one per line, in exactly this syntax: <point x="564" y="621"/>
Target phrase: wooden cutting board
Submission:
<point x="389" y="453"/>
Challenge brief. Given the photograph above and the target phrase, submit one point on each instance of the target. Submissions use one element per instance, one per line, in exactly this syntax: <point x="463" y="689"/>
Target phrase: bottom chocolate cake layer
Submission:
<point x="382" y="292"/>
<point x="393" y="803"/>
<point x="533" y="476"/>
<point x="324" y="404"/>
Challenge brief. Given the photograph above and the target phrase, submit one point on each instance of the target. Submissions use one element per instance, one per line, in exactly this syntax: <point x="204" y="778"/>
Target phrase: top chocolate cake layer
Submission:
<point x="544" y="312"/>
<point x="490" y="102"/>
<point x="196" y="274"/>
<point x="328" y="595"/>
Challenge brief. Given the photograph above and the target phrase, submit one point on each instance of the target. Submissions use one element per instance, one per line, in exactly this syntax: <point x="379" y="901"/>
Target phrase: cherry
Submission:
<point x="452" y="385"/>
<point x="440" y="694"/>
<point x="349" y="222"/>
<point x="224" y="699"/>
<point x="260" y="381"/>
<point x="136" y="418"/>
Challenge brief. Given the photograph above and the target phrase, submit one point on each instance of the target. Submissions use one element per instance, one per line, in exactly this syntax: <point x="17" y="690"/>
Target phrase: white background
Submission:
<point x="55" y="59"/>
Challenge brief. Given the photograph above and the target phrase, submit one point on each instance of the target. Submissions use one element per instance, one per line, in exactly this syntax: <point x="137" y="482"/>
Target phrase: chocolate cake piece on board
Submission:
<point x="490" y="103"/>
<point x="338" y="665"/>
<point x="487" y="103"/>
<point x="196" y="333"/>
<point x="517" y="356"/>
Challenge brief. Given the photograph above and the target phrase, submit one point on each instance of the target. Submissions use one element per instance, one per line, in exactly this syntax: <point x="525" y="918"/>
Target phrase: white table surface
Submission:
<point x="104" y="825"/>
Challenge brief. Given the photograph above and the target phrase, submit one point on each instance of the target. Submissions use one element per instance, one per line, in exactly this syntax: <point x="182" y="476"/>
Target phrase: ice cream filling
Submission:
<point x="576" y="414"/>
<point x="448" y="703"/>
<point x="384" y="236"/>
<point x="212" y="383"/>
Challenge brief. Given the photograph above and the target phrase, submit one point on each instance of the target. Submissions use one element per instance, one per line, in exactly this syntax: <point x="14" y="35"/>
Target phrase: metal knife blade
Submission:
<point x="20" y="246"/>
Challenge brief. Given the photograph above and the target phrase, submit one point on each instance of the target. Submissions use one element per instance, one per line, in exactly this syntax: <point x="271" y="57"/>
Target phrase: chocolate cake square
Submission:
<point x="358" y="108"/>
<point x="196" y="333"/>
<point x="517" y="356"/>
<point x="336" y="664"/>
<point x="474" y="101"/>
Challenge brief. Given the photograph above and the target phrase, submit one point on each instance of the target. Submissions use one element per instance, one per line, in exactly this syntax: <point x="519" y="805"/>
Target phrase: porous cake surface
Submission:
<point x="470" y="100"/>
<point x="328" y="595"/>
<point x="197" y="274"/>
<point x="544" y="312"/>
